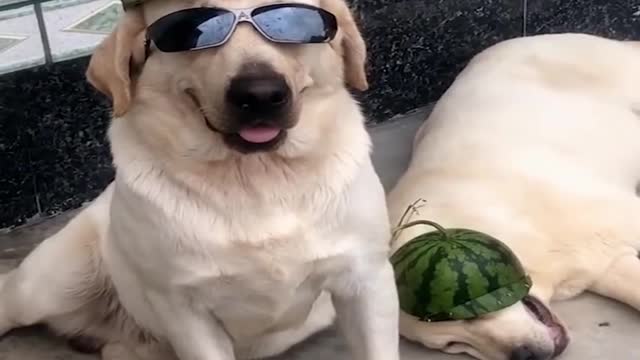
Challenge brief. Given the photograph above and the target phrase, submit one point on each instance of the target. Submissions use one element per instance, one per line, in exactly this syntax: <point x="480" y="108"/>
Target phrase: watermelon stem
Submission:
<point x="411" y="209"/>
<point x="422" y="222"/>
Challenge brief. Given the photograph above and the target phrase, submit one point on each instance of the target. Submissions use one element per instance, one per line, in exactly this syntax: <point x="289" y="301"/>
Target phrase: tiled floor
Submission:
<point x="100" y="21"/>
<point x="28" y="51"/>
<point x="73" y="29"/>
<point x="7" y="41"/>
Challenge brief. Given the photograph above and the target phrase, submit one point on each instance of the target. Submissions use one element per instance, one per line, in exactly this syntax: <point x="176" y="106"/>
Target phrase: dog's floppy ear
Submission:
<point x="350" y="44"/>
<point x="111" y="64"/>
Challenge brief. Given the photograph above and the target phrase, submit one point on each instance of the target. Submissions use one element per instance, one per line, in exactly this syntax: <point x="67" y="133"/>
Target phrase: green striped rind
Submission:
<point x="464" y="276"/>
<point x="413" y="250"/>
<point x="498" y="299"/>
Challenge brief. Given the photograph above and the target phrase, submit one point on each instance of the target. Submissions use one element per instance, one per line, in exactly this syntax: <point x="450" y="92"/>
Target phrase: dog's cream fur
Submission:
<point x="206" y="251"/>
<point x="537" y="142"/>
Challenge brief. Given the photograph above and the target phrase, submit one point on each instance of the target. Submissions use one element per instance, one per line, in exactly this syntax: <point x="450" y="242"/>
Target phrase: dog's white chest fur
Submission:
<point x="254" y="290"/>
<point x="258" y="273"/>
<point x="267" y="295"/>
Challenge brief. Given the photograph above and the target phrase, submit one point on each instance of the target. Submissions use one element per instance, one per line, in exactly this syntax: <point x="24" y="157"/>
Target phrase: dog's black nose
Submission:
<point x="529" y="353"/>
<point x="259" y="93"/>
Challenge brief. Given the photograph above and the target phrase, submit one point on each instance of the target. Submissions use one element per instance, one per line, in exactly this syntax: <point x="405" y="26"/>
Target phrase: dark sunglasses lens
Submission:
<point x="295" y="24"/>
<point x="191" y="29"/>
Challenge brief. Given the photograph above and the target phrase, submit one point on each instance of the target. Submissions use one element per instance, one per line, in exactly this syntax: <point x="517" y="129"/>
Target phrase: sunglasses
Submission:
<point x="208" y="27"/>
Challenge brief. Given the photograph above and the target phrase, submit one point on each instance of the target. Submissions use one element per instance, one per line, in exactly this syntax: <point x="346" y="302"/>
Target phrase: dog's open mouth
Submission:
<point x="259" y="134"/>
<point x="254" y="138"/>
<point x="542" y="313"/>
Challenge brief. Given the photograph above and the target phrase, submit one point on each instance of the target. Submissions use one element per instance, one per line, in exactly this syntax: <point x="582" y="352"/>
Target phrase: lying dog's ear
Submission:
<point x="349" y="44"/>
<point x="113" y="61"/>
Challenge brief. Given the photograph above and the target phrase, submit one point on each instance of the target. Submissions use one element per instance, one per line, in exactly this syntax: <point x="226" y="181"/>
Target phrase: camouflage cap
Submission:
<point x="130" y="4"/>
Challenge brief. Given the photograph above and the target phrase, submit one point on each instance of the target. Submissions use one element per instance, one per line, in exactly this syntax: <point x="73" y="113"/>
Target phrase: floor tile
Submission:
<point x="7" y="41"/>
<point x="101" y="21"/>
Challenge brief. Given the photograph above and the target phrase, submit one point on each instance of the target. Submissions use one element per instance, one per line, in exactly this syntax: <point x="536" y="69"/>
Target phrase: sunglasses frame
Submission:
<point x="246" y="15"/>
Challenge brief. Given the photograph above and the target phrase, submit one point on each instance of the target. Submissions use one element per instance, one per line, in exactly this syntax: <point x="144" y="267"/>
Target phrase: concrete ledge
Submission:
<point x="600" y="329"/>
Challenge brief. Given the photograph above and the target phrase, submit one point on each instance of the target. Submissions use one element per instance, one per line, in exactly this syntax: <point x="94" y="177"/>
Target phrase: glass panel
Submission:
<point x="76" y="27"/>
<point x="20" y="42"/>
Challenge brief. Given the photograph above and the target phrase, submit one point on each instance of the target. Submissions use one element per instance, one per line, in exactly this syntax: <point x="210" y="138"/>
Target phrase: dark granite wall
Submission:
<point x="53" y="153"/>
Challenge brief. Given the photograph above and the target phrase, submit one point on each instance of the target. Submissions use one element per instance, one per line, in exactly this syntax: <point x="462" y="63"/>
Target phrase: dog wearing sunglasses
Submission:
<point x="245" y="214"/>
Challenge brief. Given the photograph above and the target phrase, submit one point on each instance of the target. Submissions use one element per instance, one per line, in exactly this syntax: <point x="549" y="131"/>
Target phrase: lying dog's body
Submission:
<point x="537" y="142"/>
<point x="202" y="246"/>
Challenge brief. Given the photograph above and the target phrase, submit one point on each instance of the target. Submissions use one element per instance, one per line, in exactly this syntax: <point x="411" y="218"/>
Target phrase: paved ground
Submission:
<point x="601" y="329"/>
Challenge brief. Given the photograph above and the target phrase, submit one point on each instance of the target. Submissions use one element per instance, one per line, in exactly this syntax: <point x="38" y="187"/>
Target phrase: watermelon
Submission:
<point x="456" y="274"/>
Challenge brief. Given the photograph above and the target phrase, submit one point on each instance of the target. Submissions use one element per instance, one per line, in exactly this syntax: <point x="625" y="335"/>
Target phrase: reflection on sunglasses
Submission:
<point x="200" y="28"/>
<point x="214" y="30"/>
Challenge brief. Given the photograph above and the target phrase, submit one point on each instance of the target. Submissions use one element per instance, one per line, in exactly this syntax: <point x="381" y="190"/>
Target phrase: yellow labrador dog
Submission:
<point x="245" y="211"/>
<point x="537" y="142"/>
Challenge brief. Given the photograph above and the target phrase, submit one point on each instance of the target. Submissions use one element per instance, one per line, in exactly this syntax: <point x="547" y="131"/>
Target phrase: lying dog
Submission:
<point x="537" y="142"/>
<point x="245" y="207"/>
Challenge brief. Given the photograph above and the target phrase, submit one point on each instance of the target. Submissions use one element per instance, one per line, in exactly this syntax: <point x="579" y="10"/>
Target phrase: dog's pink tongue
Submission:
<point x="259" y="134"/>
